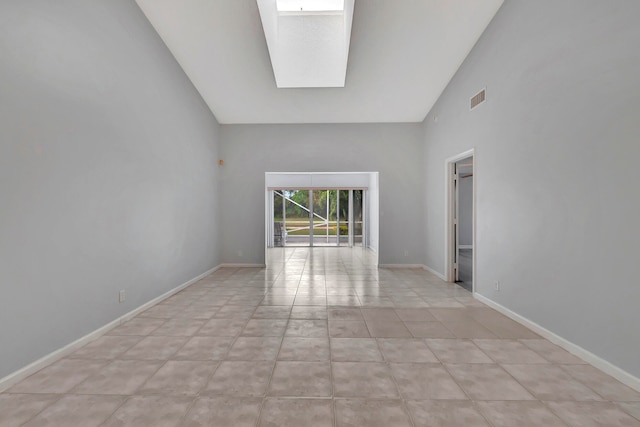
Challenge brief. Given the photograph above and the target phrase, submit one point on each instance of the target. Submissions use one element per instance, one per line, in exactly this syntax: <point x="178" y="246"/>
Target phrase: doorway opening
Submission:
<point x="322" y="209"/>
<point x="460" y="235"/>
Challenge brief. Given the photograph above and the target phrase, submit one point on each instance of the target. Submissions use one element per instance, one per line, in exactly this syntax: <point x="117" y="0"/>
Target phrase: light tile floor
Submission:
<point x="320" y="338"/>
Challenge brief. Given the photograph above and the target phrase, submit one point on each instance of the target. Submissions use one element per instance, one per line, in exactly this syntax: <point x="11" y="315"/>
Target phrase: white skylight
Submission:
<point x="308" y="41"/>
<point x="310" y="5"/>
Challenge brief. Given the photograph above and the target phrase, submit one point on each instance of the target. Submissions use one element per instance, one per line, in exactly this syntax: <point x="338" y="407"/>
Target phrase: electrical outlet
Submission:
<point x="121" y="296"/>
<point x="497" y="285"/>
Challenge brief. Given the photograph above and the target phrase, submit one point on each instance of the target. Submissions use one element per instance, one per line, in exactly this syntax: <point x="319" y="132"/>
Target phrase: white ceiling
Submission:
<point x="402" y="55"/>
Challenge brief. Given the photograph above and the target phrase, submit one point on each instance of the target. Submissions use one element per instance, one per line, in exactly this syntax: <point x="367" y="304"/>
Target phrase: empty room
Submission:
<point x="319" y="213"/>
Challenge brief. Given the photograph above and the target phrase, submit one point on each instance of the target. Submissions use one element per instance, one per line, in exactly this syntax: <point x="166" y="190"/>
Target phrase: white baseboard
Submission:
<point x="432" y="271"/>
<point x="56" y="355"/>
<point x="398" y="266"/>
<point x="239" y="265"/>
<point x="605" y="366"/>
<point x="465" y="246"/>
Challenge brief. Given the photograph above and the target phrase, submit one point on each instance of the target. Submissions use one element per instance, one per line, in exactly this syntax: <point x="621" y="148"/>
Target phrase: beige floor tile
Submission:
<point x="345" y="314"/>
<point x="119" y="377"/>
<point x="246" y="300"/>
<point x="388" y="329"/>
<point x="409" y="302"/>
<point x="272" y="312"/>
<point x="282" y="292"/>
<point x="552" y="352"/>
<point x="550" y="382"/>
<point x="223" y="411"/>
<point x="301" y="379"/>
<point x="371" y="413"/>
<point x="199" y="312"/>
<point x="355" y="350"/>
<point x="16" y="409"/>
<point x="155" y="348"/>
<point x="445" y="303"/>
<point x="304" y="349"/>
<point x="161" y="311"/>
<point x="468" y="329"/>
<point x="179" y="327"/>
<point x="375" y="302"/>
<point x="507" y="328"/>
<point x="592" y="414"/>
<point x="72" y="410"/>
<point x="603" y="384"/>
<point x="235" y="312"/>
<point x="428" y="330"/>
<point x="380" y="315"/>
<point x="451" y="314"/>
<point x="482" y="381"/>
<point x="204" y="348"/>
<point x="59" y="377"/>
<point x="631" y="408"/>
<point x="278" y="300"/>
<point x="406" y="351"/>
<point x="240" y="378"/>
<point x="457" y="351"/>
<point x="297" y="412"/>
<point x="312" y="328"/>
<point x="106" y="347"/>
<point x="179" y="377"/>
<point x="265" y="328"/>
<point x="415" y="315"/>
<point x="343" y="301"/>
<point x="420" y="381"/>
<point x="359" y="379"/>
<point x="156" y="411"/>
<point x="138" y="326"/>
<point x="307" y="313"/>
<point x="509" y="351"/>
<point x="255" y="348"/>
<point x="443" y="413"/>
<point x="222" y="327"/>
<point x="515" y="413"/>
<point x="310" y="300"/>
<point x="348" y="329"/>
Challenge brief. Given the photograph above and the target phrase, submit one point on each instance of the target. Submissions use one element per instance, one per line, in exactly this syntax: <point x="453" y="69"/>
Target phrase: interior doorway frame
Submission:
<point x="450" y="213"/>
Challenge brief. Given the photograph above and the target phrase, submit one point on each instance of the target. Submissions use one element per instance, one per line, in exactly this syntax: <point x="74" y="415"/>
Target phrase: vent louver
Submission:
<point x="478" y="99"/>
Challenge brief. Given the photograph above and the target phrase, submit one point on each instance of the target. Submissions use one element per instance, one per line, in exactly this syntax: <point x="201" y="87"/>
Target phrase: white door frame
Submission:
<point x="449" y="213"/>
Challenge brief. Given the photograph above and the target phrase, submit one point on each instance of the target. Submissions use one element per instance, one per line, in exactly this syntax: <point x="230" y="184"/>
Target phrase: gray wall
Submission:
<point x="106" y="177"/>
<point x="394" y="150"/>
<point x="556" y="171"/>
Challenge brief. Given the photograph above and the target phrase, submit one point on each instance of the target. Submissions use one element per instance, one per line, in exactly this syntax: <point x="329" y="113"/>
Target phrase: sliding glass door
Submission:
<point x="317" y="217"/>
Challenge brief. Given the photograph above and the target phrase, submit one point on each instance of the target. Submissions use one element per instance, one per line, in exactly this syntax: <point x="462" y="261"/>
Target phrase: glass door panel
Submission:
<point x="324" y="217"/>
<point x="343" y="212"/>
<point x="296" y="226"/>
<point x="357" y="218"/>
<point x="278" y="219"/>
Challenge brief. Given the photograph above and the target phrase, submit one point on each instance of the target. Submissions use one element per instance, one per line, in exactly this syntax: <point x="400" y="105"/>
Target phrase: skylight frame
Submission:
<point x="308" y="49"/>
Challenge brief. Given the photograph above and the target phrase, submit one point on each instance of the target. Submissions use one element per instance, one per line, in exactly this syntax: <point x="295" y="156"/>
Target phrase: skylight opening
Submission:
<point x="310" y="6"/>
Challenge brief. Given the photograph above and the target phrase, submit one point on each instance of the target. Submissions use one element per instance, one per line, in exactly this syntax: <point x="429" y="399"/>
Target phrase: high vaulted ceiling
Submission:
<point x="402" y="55"/>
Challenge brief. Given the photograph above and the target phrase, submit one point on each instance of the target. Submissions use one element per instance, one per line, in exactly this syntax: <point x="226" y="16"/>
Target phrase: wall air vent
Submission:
<point x="478" y="98"/>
